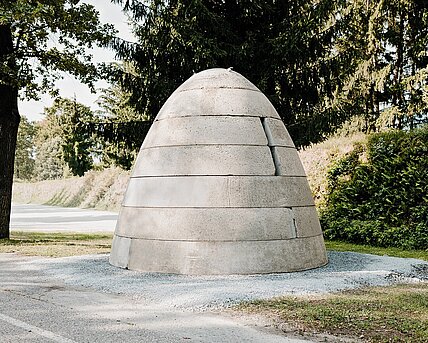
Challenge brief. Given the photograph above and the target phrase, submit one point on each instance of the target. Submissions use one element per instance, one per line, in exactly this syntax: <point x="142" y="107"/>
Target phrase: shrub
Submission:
<point x="378" y="193"/>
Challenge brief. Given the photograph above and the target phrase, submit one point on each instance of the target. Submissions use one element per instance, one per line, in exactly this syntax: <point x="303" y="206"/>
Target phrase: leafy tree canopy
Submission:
<point x="382" y="48"/>
<point x="68" y="120"/>
<point x="278" y="45"/>
<point x="320" y="62"/>
<point x="49" y="36"/>
<point x="24" y="154"/>
<point x="39" y="39"/>
<point x="120" y="129"/>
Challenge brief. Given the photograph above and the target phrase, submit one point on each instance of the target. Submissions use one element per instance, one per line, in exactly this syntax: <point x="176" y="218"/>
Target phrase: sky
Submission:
<point x="69" y="87"/>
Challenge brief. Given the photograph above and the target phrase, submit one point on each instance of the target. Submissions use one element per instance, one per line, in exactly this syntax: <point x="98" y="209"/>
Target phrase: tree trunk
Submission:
<point x="9" y="122"/>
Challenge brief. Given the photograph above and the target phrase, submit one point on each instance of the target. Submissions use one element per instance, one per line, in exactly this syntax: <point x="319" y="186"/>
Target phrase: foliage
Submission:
<point x="320" y="62"/>
<point x="121" y="130"/>
<point x="63" y="143"/>
<point x="30" y="62"/>
<point x="78" y="143"/>
<point x="381" y="47"/>
<point x="24" y="154"/>
<point x="374" y="314"/>
<point x="280" y="46"/>
<point x="71" y="138"/>
<point x="48" y="162"/>
<point x="318" y="158"/>
<point x="383" y="200"/>
<point x="34" y="62"/>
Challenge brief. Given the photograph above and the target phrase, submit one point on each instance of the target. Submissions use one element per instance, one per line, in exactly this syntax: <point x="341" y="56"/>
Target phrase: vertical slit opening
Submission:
<point x="271" y="146"/>
<point x="293" y="224"/>
<point x="294" y="229"/>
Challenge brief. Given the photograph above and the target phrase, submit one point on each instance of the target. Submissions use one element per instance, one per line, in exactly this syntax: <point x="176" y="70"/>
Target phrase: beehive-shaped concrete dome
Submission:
<point x="218" y="188"/>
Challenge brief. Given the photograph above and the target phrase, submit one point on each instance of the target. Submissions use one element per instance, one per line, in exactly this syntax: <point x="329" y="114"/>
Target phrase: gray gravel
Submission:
<point x="345" y="270"/>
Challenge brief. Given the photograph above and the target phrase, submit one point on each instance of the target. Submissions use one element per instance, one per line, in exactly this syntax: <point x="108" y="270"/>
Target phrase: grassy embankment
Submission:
<point x="102" y="190"/>
<point x="317" y="159"/>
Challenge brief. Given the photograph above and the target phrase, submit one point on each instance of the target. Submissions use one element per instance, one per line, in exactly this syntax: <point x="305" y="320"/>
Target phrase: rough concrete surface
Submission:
<point x="218" y="191"/>
<point x="220" y="101"/>
<point x="207" y="160"/>
<point x="245" y="223"/>
<point x="280" y="135"/>
<point x="204" y="131"/>
<point x="290" y="164"/>
<point x="211" y="78"/>
<point x="225" y="257"/>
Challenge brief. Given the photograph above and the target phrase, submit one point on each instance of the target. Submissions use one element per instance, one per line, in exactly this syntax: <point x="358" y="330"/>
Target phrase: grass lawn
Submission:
<point x="366" y="249"/>
<point x="376" y="314"/>
<point x="56" y="244"/>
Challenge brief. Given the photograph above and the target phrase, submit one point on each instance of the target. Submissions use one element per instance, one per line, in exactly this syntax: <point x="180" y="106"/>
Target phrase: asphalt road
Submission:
<point x="42" y="218"/>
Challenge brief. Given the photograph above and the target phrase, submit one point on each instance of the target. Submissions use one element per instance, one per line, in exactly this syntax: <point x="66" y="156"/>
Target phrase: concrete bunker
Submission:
<point x="218" y="188"/>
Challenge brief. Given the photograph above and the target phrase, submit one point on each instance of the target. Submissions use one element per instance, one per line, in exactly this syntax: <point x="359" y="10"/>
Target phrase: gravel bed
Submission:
<point x="345" y="270"/>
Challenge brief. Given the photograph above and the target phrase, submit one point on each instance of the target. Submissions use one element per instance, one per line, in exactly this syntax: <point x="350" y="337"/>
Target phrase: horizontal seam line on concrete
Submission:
<point x="215" y="175"/>
<point x="217" y="241"/>
<point x="231" y="115"/>
<point x="207" y="175"/>
<point x="216" y="144"/>
<point x="220" y="87"/>
<point x="216" y="207"/>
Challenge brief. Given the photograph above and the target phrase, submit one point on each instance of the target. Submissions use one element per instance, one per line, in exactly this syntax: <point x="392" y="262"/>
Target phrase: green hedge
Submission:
<point x="378" y="193"/>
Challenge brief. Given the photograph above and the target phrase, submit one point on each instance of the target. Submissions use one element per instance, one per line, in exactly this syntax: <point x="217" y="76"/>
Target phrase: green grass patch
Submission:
<point x="56" y="244"/>
<point x="376" y="314"/>
<point x="366" y="249"/>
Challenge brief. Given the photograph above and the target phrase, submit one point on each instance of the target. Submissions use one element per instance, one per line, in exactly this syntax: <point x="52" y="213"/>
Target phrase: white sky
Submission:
<point x="69" y="86"/>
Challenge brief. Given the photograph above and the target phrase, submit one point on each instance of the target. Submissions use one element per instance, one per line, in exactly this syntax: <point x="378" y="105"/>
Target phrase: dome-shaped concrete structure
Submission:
<point x="218" y="188"/>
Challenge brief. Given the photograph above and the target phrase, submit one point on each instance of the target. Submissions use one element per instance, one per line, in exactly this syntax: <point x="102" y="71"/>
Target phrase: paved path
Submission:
<point x="42" y="218"/>
<point x="34" y="307"/>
